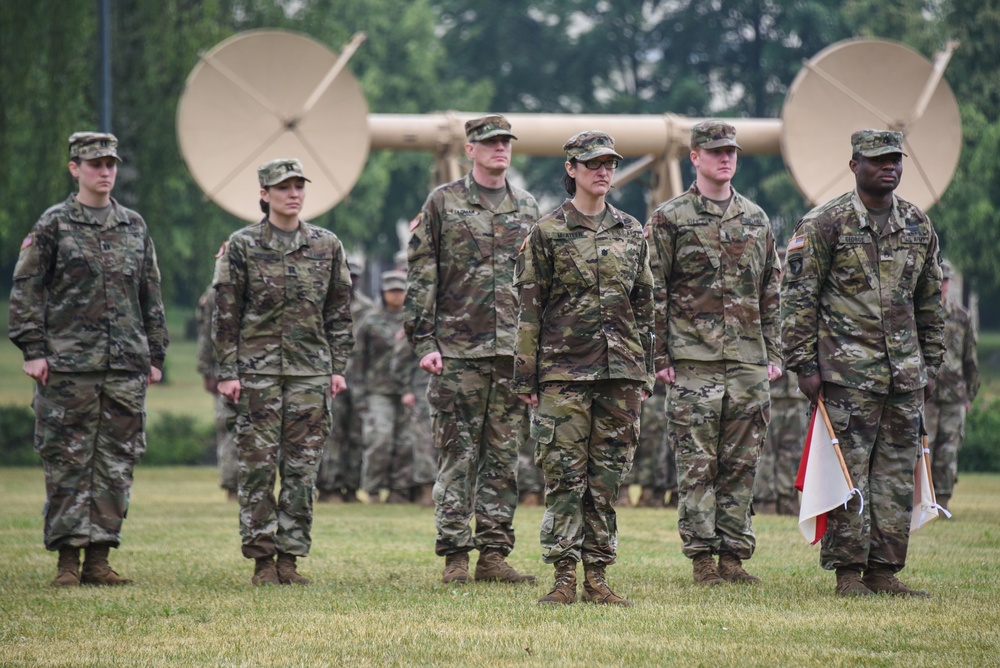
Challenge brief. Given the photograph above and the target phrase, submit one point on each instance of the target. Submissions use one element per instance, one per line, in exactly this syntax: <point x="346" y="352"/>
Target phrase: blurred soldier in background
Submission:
<point x="649" y="470"/>
<point x="955" y="388"/>
<point x="340" y="469"/>
<point x="225" y="449"/>
<point x="774" y="488"/>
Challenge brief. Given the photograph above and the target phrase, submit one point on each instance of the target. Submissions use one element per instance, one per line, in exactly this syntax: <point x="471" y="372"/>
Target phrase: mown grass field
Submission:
<point x="377" y="599"/>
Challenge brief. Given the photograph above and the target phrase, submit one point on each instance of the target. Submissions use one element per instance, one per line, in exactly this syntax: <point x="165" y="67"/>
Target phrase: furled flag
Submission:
<point x="823" y="478"/>
<point x="925" y="505"/>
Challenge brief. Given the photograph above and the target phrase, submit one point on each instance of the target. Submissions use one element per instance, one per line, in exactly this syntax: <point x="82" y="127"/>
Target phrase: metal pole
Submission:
<point x="104" y="23"/>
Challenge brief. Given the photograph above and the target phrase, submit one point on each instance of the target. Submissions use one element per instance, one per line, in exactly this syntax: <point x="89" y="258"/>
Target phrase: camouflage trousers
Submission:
<point x="479" y="425"/>
<point x="945" y="425"/>
<point x="280" y="425"/>
<point x="89" y="432"/>
<point x="387" y="462"/>
<point x="419" y="438"/>
<point x="225" y="448"/>
<point x="587" y="434"/>
<point x="717" y="415"/>
<point x="529" y="476"/>
<point x="879" y="435"/>
<point x="340" y="466"/>
<point x="653" y="466"/>
<point x="779" y="459"/>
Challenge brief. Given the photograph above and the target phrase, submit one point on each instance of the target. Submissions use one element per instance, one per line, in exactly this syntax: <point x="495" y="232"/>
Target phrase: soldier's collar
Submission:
<point x="267" y="237"/>
<point x="895" y="219"/>
<point x="78" y="213"/>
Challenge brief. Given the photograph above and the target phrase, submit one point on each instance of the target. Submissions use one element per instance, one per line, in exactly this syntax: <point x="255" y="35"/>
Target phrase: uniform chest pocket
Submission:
<point x="314" y="274"/>
<point x="851" y="270"/>
<point x="908" y="259"/>
<point x="695" y="246"/>
<point x="123" y="253"/>
<point x="464" y="238"/>
<point x="77" y="258"/>
<point x="267" y="279"/>
<point x="618" y="258"/>
<point x="752" y="249"/>
<point x="575" y="261"/>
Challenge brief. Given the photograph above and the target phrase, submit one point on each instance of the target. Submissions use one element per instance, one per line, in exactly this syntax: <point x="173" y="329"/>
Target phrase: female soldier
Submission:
<point x="282" y="326"/>
<point x="584" y="362"/>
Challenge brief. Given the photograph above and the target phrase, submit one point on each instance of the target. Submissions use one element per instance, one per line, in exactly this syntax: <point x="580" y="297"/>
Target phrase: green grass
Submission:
<point x="377" y="599"/>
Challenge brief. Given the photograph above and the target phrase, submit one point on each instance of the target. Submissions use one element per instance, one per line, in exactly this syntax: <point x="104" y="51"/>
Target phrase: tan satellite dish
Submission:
<point x="269" y="94"/>
<point x="860" y="84"/>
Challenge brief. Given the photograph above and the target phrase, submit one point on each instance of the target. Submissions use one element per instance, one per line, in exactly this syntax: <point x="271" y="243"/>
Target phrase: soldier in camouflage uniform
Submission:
<point x="282" y="326"/>
<point x="862" y="327"/>
<point x="86" y="312"/>
<point x="955" y="387"/>
<point x="774" y="487"/>
<point x="716" y="269"/>
<point x="649" y="470"/>
<point x="387" y="463"/>
<point x="339" y="477"/>
<point x="417" y="437"/>
<point x="461" y="312"/>
<point x="584" y="363"/>
<point x="229" y="467"/>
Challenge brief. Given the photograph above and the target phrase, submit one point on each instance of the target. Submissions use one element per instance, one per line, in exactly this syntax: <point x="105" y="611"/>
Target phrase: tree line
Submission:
<point x="697" y="58"/>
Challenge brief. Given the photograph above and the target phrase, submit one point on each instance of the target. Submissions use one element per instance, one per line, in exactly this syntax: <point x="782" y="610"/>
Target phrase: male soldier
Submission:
<point x="225" y="449"/>
<point x="340" y="468"/>
<point x="461" y="314"/>
<point x="862" y="327"/>
<point x="717" y="348"/>
<point x="774" y="488"/>
<point x="954" y="389"/>
<point x="86" y="312"/>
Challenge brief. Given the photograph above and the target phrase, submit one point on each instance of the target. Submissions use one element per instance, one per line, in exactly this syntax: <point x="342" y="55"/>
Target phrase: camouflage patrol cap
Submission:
<point x="485" y="127"/>
<point x="713" y="134"/>
<point x="278" y="170"/>
<point x="590" y="144"/>
<point x="871" y="143"/>
<point x="355" y="268"/>
<point x="393" y="279"/>
<point x="93" y="145"/>
<point x="946" y="270"/>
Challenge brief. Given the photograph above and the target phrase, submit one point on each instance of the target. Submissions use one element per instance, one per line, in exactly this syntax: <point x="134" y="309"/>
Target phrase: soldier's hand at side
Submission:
<point x="155" y="376"/>
<point x="230" y="389"/>
<point x="929" y="389"/>
<point x="773" y="373"/>
<point x="666" y="375"/>
<point x="409" y="399"/>
<point x="431" y="363"/>
<point x="37" y="369"/>
<point x="530" y="399"/>
<point x="337" y="384"/>
<point x="811" y="386"/>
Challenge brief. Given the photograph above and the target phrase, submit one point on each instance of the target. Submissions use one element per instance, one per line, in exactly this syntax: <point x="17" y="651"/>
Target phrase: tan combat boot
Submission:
<point x="96" y="570"/>
<point x="674" y="500"/>
<point x="456" y="568"/>
<point x="287" y="575"/>
<point x="849" y="583"/>
<point x="564" y="591"/>
<point x="705" y="572"/>
<point x="596" y="589"/>
<point x="68" y="568"/>
<point x="492" y="567"/>
<point x="881" y="580"/>
<point x="731" y="570"/>
<point x="265" y="572"/>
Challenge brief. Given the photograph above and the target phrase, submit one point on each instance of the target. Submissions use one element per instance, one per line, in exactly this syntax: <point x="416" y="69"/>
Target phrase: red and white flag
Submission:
<point x="925" y="505"/>
<point x="822" y="479"/>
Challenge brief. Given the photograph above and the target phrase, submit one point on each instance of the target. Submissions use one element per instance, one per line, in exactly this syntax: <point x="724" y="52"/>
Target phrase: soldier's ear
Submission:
<point x="853" y="164"/>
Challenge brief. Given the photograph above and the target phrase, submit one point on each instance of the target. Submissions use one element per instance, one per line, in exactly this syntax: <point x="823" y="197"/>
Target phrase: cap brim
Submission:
<point x="292" y="175"/>
<point x="882" y="150"/>
<point x="597" y="153"/>
<point x="102" y="154"/>
<point x="494" y="133"/>
<point x="720" y="143"/>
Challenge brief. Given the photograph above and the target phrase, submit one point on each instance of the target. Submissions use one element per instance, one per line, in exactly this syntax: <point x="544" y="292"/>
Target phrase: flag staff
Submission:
<point x="836" y="443"/>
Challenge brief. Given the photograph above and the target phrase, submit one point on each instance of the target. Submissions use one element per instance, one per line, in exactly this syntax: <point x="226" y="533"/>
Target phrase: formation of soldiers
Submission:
<point x="465" y="376"/>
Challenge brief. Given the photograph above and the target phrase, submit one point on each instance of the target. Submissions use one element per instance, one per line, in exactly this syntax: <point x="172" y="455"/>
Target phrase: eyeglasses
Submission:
<point x="596" y="164"/>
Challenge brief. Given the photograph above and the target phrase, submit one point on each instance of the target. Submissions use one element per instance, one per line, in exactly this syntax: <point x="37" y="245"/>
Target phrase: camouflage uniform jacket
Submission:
<point x="460" y="299"/>
<point x="958" y="379"/>
<point x="86" y="296"/>
<point x="282" y="313"/>
<point x="361" y="306"/>
<point x="717" y="277"/>
<point x="376" y="338"/>
<point x="206" y="348"/>
<point x="863" y="309"/>
<point x="586" y="301"/>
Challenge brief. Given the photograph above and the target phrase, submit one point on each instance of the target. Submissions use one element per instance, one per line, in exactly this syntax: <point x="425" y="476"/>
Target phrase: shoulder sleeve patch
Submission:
<point x="28" y="240"/>
<point x="415" y="222"/>
<point x="221" y="251"/>
<point x="797" y="242"/>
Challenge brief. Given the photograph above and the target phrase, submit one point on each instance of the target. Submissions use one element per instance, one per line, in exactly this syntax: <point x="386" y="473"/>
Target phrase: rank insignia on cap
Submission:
<point x="28" y="240"/>
<point x="796" y="243"/>
<point x="222" y="250"/>
<point x="415" y="222"/>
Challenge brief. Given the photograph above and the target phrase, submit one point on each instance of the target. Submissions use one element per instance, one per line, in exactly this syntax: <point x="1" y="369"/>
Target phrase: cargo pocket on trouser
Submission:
<point x="542" y="431"/>
<point x="441" y="399"/>
<point x="49" y="418"/>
